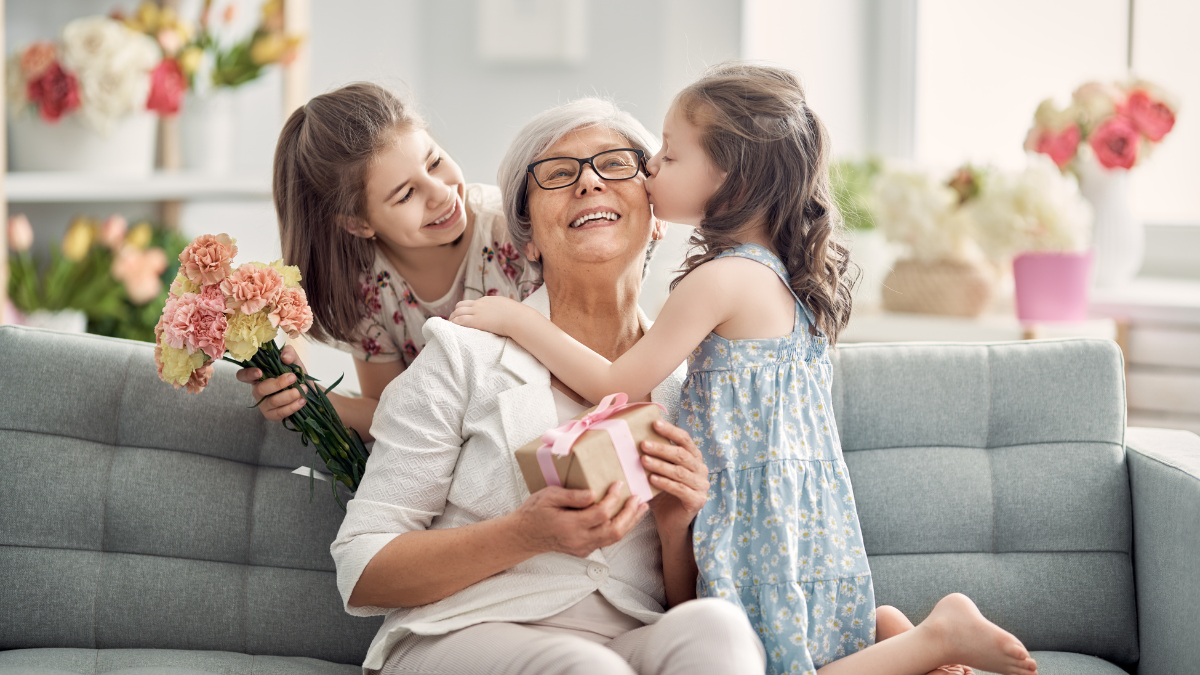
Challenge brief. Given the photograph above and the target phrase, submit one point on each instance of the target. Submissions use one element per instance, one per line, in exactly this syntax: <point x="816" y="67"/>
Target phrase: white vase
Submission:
<point x="206" y="130"/>
<point x="870" y="250"/>
<point x="1118" y="238"/>
<point x="69" y="145"/>
<point x="63" y="320"/>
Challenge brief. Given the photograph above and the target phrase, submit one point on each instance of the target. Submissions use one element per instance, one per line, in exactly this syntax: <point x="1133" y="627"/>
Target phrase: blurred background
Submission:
<point x="1009" y="169"/>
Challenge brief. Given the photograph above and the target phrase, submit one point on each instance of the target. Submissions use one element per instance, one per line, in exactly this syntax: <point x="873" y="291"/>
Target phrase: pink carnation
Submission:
<point x="189" y="321"/>
<point x="252" y="287"/>
<point x="1060" y="145"/>
<point x="1115" y="143"/>
<point x="199" y="379"/>
<point x="207" y="259"/>
<point x="1153" y="118"/>
<point x="291" y="312"/>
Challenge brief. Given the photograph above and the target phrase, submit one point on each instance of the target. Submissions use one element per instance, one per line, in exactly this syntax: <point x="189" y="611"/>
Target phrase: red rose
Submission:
<point x="167" y="86"/>
<point x="55" y="93"/>
<point x="1061" y="146"/>
<point x="1153" y="118"/>
<point x="1115" y="143"/>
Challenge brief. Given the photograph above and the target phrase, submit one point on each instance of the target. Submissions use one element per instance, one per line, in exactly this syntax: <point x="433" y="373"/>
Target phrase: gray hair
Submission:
<point x="544" y="131"/>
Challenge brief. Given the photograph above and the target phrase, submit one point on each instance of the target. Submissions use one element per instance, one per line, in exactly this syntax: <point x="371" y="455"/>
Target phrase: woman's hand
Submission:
<point x="679" y="471"/>
<point x="573" y="522"/>
<point x="495" y="314"/>
<point x="281" y="400"/>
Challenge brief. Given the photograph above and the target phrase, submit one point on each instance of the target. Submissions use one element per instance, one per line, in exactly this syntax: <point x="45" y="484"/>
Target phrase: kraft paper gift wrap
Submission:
<point x="592" y="462"/>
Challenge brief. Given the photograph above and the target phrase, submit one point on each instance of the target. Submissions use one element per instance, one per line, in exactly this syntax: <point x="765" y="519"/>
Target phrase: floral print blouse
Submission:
<point x="393" y="315"/>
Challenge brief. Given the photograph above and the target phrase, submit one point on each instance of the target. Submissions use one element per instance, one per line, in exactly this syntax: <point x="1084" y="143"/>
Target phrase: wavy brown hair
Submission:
<point x="756" y="126"/>
<point x="321" y="163"/>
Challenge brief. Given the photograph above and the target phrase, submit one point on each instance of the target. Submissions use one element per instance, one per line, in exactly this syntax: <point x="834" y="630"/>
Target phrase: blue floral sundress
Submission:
<point x="779" y="534"/>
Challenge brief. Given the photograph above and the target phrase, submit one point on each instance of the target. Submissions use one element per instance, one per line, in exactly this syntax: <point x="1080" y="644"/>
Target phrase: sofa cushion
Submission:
<point x="1065" y="663"/>
<point x="997" y="471"/>
<point x="160" y="662"/>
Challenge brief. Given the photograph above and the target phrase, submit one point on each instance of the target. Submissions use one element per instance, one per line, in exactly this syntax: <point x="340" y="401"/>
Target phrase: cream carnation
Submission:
<point x="291" y="313"/>
<point x="1038" y="209"/>
<point x="177" y="365"/>
<point x="252" y="288"/>
<point x="290" y="273"/>
<point x="246" y="333"/>
<point x="207" y="259"/>
<point x="183" y="284"/>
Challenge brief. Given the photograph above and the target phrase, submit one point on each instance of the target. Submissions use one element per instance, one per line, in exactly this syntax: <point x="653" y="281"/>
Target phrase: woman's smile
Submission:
<point x="595" y="217"/>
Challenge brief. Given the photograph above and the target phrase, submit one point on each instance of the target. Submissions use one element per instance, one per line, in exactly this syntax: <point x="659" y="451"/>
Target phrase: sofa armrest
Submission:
<point x="1164" y="477"/>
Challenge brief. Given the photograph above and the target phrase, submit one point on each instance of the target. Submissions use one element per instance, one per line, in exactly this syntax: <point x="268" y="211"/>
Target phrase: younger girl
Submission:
<point x="386" y="235"/>
<point x="745" y="160"/>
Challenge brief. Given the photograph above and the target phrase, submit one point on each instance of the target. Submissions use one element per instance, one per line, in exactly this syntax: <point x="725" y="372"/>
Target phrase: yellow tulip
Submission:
<point x="78" y="239"/>
<point x="149" y="15"/>
<point x="268" y="49"/>
<point x="139" y="236"/>
<point x="189" y="60"/>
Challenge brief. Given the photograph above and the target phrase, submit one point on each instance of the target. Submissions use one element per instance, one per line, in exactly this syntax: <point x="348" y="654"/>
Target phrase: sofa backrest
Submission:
<point x="997" y="471"/>
<point x="136" y="515"/>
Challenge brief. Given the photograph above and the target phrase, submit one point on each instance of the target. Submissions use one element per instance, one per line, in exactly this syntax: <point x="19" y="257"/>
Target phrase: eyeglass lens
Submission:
<point x="563" y="171"/>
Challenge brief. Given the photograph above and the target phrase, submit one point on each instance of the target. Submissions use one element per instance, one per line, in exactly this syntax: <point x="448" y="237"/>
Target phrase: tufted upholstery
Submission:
<point x="137" y="516"/>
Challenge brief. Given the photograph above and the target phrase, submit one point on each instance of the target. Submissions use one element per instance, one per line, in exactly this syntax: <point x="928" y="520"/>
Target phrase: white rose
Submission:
<point x="914" y="209"/>
<point x="1038" y="209"/>
<point x="112" y="64"/>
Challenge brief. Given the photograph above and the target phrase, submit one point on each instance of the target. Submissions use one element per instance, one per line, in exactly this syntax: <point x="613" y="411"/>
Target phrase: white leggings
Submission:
<point x="700" y="637"/>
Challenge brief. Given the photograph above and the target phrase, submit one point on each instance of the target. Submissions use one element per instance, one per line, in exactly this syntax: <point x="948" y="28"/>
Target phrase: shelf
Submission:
<point x="47" y="187"/>
<point x="1149" y="300"/>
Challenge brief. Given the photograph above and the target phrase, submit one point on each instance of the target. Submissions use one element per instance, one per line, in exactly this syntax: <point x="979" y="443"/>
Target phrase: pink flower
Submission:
<point x="397" y="317"/>
<point x="371" y="346"/>
<point x="191" y="322"/>
<point x="199" y="379"/>
<point x="140" y="271"/>
<point x="291" y="312"/>
<point x="212" y="297"/>
<point x="370" y="298"/>
<point x="252" y="287"/>
<point x="37" y="58"/>
<point x="1153" y="118"/>
<point x="56" y="93"/>
<point x="167" y="86"/>
<point x="20" y="233"/>
<point x="112" y="232"/>
<point x="207" y="259"/>
<point x="410" y="299"/>
<point x="410" y="349"/>
<point x="1115" y="143"/>
<point x="1060" y="145"/>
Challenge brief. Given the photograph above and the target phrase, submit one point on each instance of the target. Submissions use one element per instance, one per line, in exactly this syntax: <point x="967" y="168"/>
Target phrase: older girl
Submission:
<point x="386" y="234"/>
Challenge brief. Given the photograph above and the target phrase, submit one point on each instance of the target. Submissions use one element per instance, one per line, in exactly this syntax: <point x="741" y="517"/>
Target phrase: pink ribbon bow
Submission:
<point x="558" y="442"/>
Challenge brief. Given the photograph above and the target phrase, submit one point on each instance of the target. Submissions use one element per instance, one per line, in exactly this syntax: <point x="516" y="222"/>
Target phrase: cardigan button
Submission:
<point x="597" y="572"/>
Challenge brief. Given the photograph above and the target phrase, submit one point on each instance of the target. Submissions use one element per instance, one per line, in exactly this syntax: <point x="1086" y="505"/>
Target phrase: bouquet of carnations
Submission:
<point x="215" y="311"/>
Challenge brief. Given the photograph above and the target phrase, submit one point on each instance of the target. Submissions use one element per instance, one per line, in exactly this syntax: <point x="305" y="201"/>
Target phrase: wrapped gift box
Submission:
<point x="592" y="462"/>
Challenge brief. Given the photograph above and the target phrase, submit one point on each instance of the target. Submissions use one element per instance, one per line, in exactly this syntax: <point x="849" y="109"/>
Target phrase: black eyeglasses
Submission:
<point x="559" y="172"/>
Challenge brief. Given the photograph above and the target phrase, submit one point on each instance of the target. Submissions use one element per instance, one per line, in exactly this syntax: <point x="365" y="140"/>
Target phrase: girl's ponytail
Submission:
<point x="321" y="163"/>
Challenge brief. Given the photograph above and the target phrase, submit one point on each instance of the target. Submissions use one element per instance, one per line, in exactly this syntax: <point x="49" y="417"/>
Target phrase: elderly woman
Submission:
<point x="475" y="574"/>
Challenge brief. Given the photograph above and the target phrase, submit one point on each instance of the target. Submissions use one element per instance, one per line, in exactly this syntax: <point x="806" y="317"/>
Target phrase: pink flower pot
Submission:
<point x="1052" y="286"/>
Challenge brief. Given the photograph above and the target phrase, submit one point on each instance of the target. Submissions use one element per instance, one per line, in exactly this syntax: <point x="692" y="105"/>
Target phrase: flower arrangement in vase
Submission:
<point x="1039" y="219"/>
<point x="216" y="63"/>
<point x="111" y="277"/>
<point x="942" y="270"/>
<point x="1106" y="130"/>
<point x="88" y="101"/>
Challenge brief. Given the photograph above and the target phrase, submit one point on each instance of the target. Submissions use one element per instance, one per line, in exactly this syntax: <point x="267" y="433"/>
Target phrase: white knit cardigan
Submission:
<point x="445" y="432"/>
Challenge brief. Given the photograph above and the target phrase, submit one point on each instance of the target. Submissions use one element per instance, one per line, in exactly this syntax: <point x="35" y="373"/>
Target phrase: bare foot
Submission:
<point x="971" y="639"/>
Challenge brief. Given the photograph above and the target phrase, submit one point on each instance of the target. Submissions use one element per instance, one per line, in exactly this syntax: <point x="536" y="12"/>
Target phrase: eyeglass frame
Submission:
<point x="641" y="155"/>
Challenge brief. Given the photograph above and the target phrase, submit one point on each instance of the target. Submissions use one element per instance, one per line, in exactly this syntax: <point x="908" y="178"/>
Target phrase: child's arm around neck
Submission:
<point x="703" y="300"/>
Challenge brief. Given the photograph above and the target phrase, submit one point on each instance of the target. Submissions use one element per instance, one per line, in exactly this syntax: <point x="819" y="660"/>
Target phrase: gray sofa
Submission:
<point x="144" y="530"/>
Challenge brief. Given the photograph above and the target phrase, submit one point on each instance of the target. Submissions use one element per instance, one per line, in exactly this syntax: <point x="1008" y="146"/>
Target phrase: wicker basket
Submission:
<point x="946" y="287"/>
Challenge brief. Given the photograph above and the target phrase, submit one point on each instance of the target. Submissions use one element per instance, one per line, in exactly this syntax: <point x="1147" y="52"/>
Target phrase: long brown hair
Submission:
<point x="321" y="163"/>
<point x="756" y="126"/>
